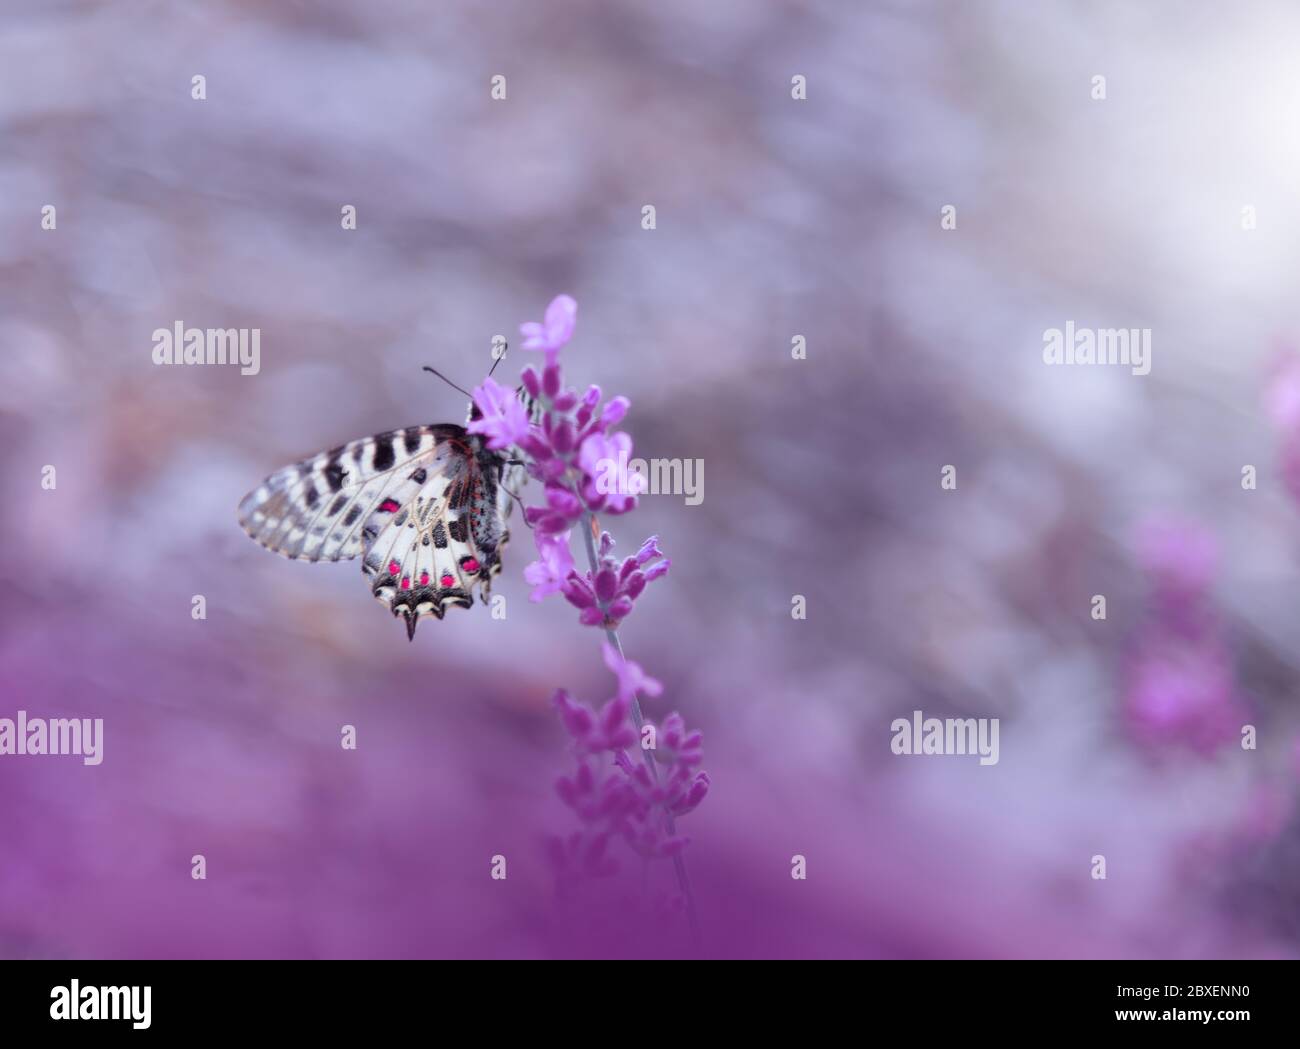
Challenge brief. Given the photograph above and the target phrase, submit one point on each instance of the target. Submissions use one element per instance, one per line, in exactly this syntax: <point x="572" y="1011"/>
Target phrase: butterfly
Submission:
<point x="425" y="508"/>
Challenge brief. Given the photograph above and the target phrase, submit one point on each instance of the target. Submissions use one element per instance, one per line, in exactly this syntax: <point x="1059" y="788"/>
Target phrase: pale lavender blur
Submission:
<point x="776" y="218"/>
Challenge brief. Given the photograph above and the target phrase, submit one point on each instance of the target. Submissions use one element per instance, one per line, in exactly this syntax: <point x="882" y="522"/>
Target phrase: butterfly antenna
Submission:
<point x="522" y="508"/>
<point x="504" y="347"/>
<point x="449" y="382"/>
<point x="515" y="495"/>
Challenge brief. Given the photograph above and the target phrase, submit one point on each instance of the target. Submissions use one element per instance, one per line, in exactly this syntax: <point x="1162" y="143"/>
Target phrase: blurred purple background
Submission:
<point x="775" y="218"/>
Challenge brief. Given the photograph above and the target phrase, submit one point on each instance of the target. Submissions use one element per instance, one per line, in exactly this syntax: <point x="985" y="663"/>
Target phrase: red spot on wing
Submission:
<point x="471" y="565"/>
<point x="393" y="568"/>
<point x="447" y="580"/>
<point x="424" y="578"/>
<point x="389" y="506"/>
<point x="406" y="582"/>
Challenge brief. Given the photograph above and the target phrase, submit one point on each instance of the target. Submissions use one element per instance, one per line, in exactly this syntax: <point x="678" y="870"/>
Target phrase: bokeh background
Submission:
<point x="775" y="217"/>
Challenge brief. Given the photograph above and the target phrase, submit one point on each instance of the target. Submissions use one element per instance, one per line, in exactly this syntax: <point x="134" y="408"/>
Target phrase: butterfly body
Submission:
<point x="424" y="507"/>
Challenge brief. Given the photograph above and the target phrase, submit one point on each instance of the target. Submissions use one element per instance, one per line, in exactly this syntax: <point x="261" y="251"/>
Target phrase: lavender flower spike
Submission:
<point x="583" y="466"/>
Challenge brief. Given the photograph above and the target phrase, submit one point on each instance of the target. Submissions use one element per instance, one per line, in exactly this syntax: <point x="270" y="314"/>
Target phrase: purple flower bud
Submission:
<point x="577" y="592"/>
<point x="606" y="544"/>
<point x="614" y="412"/>
<point x="634" y="585"/>
<point x="613" y="714"/>
<point x="551" y="380"/>
<point x="532" y="382"/>
<point x="551" y="469"/>
<point x="566" y="400"/>
<point x="589" y="401"/>
<point x="606" y="585"/>
<point x="622" y="504"/>
<point x="620" y="607"/>
<point x="552" y="524"/>
<point x="629" y="565"/>
<point x="592" y="616"/>
<point x="577" y="719"/>
<point x="563" y="438"/>
<point x="536" y="447"/>
<point x="563" y="501"/>
<point x="657" y="569"/>
<point x="696" y="794"/>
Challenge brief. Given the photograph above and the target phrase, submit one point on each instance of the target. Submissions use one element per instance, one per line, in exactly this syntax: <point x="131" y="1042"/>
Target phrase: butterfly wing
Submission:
<point x="425" y="505"/>
<point x="444" y="541"/>
<point x="321" y="509"/>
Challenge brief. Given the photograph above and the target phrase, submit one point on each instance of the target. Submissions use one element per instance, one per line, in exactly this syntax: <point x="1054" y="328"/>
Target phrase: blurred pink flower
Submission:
<point x="1181" y="687"/>
<point x="1267" y="811"/>
<point x="1180" y="557"/>
<point x="1184" y="695"/>
<point x="1282" y="395"/>
<point x="1282" y="400"/>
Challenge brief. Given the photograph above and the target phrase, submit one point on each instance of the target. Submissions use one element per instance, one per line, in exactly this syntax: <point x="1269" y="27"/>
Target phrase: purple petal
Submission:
<point x="534" y="336"/>
<point x="561" y="315"/>
<point x="649" y="550"/>
<point x="504" y="420"/>
<point x="614" y="412"/>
